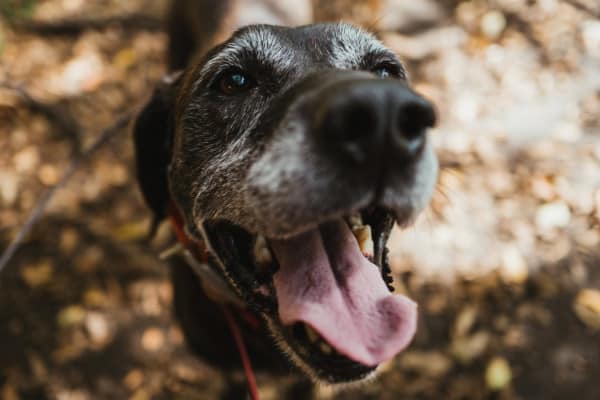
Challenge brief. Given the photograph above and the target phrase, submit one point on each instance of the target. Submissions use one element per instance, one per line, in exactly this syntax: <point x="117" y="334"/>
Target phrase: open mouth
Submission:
<point x="325" y="293"/>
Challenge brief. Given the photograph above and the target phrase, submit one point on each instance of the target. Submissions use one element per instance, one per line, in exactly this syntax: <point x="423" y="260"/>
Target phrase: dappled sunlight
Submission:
<point x="504" y="264"/>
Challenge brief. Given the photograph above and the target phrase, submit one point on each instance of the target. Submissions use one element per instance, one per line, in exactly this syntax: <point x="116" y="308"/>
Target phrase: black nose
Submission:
<point x="362" y="119"/>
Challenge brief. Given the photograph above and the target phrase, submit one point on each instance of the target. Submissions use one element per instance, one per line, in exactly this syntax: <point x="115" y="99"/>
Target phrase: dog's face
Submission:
<point x="291" y="152"/>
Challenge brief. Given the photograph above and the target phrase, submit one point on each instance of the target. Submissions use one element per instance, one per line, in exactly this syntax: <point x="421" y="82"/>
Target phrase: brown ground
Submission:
<point x="505" y="267"/>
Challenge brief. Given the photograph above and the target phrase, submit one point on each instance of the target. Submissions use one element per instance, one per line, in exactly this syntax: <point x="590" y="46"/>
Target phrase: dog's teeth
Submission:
<point x="364" y="238"/>
<point x="313" y="336"/>
<point x="355" y="220"/>
<point x="325" y="348"/>
<point x="262" y="254"/>
<point x="362" y="233"/>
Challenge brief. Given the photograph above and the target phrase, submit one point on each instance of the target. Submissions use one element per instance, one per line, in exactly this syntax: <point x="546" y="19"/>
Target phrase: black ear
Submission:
<point x="152" y="135"/>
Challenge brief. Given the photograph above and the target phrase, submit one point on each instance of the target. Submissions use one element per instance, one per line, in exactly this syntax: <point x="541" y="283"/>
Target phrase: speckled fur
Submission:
<point x="277" y="183"/>
<point x="252" y="159"/>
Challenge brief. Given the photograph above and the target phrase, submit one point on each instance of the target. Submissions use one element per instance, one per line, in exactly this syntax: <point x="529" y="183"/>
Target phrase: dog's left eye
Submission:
<point x="388" y="69"/>
<point x="233" y="82"/>
<point x="383" y="72"/>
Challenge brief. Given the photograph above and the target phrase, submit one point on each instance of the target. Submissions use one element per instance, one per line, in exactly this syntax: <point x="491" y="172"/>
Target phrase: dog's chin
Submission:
<point x="262" y="272"/>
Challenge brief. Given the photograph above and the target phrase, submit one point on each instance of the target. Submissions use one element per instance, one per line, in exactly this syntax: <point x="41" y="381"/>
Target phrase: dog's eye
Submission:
<point x="388" y="69"/>
<point x="383" y="72"/>
<point x="234" y="82"/>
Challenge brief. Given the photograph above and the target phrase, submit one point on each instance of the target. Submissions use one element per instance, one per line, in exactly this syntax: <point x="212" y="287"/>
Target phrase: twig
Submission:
<point x="38" y="210"/>
<point x="523" y="26"/>
<point x="583" y="8"/>
<point x="64" y="122"/>
<point x="74" y="26"/>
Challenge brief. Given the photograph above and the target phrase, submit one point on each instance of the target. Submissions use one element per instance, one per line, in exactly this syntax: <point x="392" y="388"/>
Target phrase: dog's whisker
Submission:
<point x="171" y="251"/>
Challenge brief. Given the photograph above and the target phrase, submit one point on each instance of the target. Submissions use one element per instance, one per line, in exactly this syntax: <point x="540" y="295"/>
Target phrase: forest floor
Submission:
<point x="505" y="265"/>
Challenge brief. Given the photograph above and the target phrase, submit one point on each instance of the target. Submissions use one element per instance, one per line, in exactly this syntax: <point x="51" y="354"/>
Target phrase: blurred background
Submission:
<point x="505" y="264"/>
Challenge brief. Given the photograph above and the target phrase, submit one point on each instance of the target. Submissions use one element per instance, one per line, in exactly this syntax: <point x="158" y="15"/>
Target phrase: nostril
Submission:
<point x="349" y="126"/>
<point x="411" y="121"/>
<point x="413" y="118"/>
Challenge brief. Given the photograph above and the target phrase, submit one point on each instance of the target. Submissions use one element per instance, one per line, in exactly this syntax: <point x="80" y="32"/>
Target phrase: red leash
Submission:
<point x="239" y="341"/>
<point x="198" y="249"/>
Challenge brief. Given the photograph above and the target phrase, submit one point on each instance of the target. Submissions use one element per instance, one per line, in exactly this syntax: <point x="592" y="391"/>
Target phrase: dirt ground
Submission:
<point x="505" y="265"/>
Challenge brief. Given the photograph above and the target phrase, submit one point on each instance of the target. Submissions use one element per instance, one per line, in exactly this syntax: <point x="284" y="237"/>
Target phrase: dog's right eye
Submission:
<point x="234" y="82"/>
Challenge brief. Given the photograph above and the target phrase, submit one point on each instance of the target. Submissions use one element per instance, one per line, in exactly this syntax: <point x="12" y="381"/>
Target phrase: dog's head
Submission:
<point x="291" y="152"/>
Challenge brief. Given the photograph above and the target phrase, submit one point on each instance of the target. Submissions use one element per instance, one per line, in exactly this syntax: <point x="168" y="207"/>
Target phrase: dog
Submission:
<point x="284" y="156"/>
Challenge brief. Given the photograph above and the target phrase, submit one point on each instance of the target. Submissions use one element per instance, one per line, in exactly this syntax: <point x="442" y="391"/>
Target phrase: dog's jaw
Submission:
<point x="309" y="371"/>
<point x="230" y="247"/>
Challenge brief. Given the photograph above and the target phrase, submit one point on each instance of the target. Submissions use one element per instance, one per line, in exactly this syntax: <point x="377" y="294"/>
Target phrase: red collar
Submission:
<point x="216" y="288"/>
<point x="197" y="247"/>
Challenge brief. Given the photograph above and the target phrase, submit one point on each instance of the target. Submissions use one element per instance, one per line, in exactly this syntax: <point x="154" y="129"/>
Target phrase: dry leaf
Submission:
<point x="431" y="363"/>
<point x="152" y="339"/>
<point x="498" y="374"/>
<point x="467" y="349"/>
<point x="70" y="316"/>
<point x="587" y="307"/>
<point x="36" y="275"/>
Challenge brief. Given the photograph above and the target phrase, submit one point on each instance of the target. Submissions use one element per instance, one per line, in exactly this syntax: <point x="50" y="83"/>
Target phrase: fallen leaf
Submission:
<point x="48" y="174"/>
<point x="430" y="363"/>
<point x="38" y="368"/>
<point x="70" y="316"/>
<point x="498" y="374"/>
<point x="493" y="24"/>
<point x="88" y="260"/>
<point x="552" y="215"/>
<point x="97" y="328"/>
<point x="152" y="339"/>
<point x="514" y="267"/>
<point x="9" y="392"/>
<point x="467" y="349"/>
<point x="9" y="189"/>
<point x="95" y="298"/>
<point x="133" y="379"/>
<point x="69" y="238"/>
<point x="464" y="321"/>
<point x="27" y="159"/>
<point x="141" y="394"/>
<point x="36" y="275"/>
<point x="132" y="231"/>
<point x="125" y="58"/>
<point x="587" y="307"/>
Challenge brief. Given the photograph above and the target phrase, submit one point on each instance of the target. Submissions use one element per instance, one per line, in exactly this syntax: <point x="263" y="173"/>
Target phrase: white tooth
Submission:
<point x="325" y="348"/>
<point x="365" y="240"/>
<point x="355" y="220"/>
<point x="313" y="336"/>
<point x="262" y="254"/>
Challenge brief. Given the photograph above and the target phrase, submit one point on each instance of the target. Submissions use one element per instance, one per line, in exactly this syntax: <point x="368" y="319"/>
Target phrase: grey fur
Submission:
<point x="262" y="42"/>
<point x="252" y="159"/>
<point x="267" y="184"/>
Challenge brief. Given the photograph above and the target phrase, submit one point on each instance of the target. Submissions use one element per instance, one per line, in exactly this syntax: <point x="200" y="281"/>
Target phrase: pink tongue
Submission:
<point x="326" y="282"/>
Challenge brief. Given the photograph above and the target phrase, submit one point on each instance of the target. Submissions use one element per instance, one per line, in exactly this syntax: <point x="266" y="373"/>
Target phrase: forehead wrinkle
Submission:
<point x="259" y="43"/>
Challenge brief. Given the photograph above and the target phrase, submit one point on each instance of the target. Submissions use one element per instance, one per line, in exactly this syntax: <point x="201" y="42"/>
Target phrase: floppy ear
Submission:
<point x="152" y="135"/>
